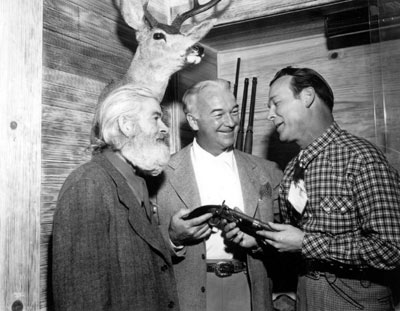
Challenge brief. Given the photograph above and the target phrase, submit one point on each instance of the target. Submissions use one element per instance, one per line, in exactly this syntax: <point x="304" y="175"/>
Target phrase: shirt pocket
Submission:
<point x="337" y="214"/>
<point x="336" y="204"/>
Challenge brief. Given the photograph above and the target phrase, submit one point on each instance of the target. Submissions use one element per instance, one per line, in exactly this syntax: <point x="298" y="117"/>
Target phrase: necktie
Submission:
<point x="145" y="201"/>
<point x="298" y="171"/>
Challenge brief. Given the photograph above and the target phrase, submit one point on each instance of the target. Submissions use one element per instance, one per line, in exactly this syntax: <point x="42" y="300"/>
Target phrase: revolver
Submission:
<point x="245" y="223"/>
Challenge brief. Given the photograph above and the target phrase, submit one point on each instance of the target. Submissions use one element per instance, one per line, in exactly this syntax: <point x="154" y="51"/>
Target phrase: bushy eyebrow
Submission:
<point x="216" y="110"/>
<point x="157" y="113"/>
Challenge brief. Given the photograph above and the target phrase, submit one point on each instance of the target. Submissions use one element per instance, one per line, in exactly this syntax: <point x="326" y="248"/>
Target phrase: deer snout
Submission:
<point x="198" y="50"/>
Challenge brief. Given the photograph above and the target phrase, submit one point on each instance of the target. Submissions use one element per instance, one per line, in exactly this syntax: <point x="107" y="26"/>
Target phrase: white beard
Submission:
<point x="149" y="153"/>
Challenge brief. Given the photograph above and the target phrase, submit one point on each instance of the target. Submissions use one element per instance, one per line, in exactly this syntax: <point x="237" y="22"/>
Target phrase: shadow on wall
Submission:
<point x="280" y="152"/>
<point x="49" y="289"/>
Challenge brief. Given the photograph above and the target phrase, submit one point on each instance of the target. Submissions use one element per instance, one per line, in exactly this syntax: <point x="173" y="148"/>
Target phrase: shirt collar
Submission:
<point x="319" y="144"/>
<point x="126" y="170"/>
<point x="201" y="155"/>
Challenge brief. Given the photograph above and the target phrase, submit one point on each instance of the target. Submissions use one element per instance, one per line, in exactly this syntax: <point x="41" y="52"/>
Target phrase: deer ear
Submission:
<point x="133" y="13"/>
<point x="199" y="31"/>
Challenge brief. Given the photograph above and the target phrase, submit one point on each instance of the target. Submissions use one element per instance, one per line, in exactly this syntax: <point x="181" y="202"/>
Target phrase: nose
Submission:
<point x="230" y="121"/>
<point x="163" y="128"/>
<point x="198" y="50"/>
<point x="271" y="113"/>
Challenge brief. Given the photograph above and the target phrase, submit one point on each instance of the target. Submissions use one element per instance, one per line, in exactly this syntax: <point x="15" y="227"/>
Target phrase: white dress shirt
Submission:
<point x="217" y="180"/>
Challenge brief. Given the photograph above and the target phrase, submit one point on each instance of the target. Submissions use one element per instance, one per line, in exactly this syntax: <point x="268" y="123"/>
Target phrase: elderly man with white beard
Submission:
<point x="108" y="253"/>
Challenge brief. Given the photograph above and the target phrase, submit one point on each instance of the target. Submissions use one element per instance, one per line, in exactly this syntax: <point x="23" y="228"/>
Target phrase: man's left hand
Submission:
<point x="234" y="234"/>
<point x="285" y="238"/>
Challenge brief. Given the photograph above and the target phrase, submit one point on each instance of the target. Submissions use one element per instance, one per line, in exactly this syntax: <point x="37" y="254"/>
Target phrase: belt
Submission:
<point x="224" y="268"/>
<point x="319" y="268"/>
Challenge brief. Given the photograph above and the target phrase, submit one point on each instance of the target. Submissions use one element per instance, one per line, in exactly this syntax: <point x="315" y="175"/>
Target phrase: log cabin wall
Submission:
<point x="20" y="136"/>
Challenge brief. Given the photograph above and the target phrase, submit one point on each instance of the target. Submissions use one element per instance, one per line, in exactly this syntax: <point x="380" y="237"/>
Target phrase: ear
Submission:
<point x="133" y="13"/>
<point x="307" y="96"/>
<point x="126" y="126"/>
<point x="192" y="122"/>
<point x="199" y="31"/>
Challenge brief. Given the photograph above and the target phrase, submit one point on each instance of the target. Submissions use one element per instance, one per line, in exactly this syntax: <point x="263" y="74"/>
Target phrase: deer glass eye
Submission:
<point x="159" y="36"/>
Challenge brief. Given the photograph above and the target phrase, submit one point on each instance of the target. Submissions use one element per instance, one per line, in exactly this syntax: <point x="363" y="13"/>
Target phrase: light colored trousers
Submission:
<point x="230" y="293"/>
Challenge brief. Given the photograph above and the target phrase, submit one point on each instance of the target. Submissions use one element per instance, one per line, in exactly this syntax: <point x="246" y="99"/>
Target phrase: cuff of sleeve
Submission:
<point x="314" y="246"/>
<point x="256" y="250"/>
<point x="178" y="250"/>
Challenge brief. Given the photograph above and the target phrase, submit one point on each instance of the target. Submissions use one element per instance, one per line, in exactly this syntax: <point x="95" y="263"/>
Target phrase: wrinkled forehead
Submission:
<point x="214" y="97"/>
<point x="149" y="106"/>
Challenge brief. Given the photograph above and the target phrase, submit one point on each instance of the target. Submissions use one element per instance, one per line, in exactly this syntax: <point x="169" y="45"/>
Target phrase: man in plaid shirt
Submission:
<point x="339" y="201"/>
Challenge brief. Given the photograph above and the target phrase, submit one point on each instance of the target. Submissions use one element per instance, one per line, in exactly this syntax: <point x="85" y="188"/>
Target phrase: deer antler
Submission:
<point x="162" y="49"/>
<point x="197" y="9"/>
<point x="154" y="23"/>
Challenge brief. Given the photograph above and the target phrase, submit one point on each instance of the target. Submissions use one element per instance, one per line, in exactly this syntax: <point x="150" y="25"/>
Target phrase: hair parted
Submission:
<point x="306" y="77"/>
<point x="189" y="99"/>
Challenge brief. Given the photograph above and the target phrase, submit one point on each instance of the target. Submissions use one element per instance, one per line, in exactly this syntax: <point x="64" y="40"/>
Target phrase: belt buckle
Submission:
<point x="223" y="269"/>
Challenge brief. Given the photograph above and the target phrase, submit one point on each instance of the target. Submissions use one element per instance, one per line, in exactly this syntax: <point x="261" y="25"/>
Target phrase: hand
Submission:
<point x="232" y="233"/>
<point x="183" y="232"/>
<point x="285" y="238"/>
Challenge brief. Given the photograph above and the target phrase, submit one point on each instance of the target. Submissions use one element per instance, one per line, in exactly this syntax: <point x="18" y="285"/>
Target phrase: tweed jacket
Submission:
<point x="107" y="253"/>
<point x="179" y="190"/>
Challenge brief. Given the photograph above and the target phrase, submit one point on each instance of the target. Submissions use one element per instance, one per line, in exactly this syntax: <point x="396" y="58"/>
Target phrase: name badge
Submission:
<point x="298" y="195"/>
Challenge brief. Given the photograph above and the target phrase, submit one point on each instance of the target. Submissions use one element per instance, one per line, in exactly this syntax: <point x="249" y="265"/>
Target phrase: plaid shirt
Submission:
<point x="352" y="215"/>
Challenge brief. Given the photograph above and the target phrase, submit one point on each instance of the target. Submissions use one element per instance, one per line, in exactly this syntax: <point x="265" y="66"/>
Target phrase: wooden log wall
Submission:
<point x="239" y="10"/>
<point x="20" y="137"/>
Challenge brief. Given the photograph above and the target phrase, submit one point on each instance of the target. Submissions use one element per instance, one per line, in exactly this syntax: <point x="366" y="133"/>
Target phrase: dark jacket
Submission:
<point x="107" y="254"/>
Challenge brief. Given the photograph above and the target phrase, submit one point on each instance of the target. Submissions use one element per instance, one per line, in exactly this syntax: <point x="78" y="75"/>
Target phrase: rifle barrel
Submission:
<point x="239" y="138"/>
<point x="248" y="143"/>
<point x="235" y="86"/>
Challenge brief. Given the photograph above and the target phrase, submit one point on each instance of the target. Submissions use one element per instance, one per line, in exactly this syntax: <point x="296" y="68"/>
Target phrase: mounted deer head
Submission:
<point x="162" y="49"/>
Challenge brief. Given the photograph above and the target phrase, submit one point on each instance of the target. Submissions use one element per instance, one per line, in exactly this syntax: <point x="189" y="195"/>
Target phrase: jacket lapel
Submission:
<point x="137" y="218"/>
<point x="183" y="180"/>
<point x="249" y="183"/>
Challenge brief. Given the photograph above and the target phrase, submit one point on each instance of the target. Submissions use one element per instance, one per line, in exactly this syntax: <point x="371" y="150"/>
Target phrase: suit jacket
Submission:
<point x="179" y="190"/>
<point x="107" y="254"/>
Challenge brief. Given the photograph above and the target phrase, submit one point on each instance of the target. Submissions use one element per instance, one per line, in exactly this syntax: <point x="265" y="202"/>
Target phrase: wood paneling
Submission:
<point x="349" y="72"/>
<point x="231" y="11"/>
<point x="20" y="136"/>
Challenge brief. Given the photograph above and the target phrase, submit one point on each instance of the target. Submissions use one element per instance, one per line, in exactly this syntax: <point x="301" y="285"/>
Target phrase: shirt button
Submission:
<point x="203" y="256"/>
<point x="343" y="209"/>
<point x="164" y="268"/>
<point x="203" y="289"/>
<point x="171" y="304"/>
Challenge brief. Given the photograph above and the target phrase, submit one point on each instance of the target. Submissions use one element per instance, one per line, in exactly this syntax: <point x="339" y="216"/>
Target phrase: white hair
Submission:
<point x="123" y="101"/>
<point x="189" y="99"/>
